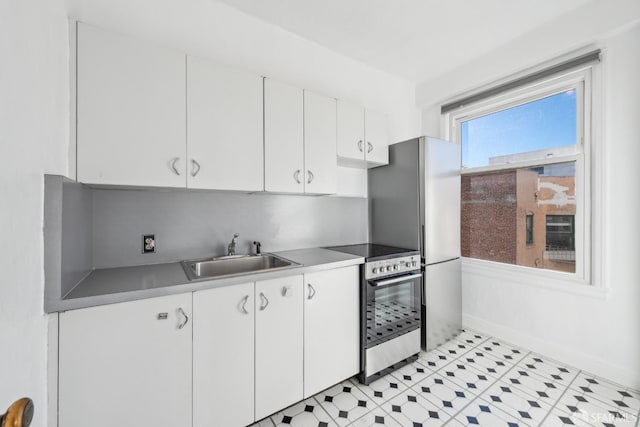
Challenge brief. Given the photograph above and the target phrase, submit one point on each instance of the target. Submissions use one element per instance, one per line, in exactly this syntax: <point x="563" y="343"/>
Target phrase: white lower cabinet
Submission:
<point x="223" y="357"/>
<point x="226" y="356"/>
<point x="279" y="344"/>
<point x="126" y="364"/>
<point x="331" y="328"/>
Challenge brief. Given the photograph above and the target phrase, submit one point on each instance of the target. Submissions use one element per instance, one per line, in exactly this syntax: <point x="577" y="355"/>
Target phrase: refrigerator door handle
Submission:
<point x="422" y="248"/>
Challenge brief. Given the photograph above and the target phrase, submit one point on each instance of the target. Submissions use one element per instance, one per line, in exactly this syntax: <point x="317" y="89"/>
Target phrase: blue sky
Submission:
<point x="545" y="123"/>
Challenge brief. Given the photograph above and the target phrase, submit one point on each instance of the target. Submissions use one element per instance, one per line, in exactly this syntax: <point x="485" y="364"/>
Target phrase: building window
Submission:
<point x="560" y="233"/>
<point x="525" y="169"/>
<point x="529" y="229"/>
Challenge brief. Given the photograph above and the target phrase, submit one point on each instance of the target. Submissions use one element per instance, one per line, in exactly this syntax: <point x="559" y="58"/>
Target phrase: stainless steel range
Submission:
<point x="390" y="311"/>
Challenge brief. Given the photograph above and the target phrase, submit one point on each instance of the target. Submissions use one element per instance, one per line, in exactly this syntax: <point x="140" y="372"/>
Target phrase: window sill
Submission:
<point x="526" y="276"/>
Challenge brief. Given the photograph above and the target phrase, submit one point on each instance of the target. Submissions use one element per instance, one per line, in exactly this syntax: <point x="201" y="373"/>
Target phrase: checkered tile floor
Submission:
<point x="474" y="380"/>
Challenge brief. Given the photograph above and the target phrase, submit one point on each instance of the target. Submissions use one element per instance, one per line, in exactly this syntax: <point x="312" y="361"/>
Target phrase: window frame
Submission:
<point x="582" y="80"/>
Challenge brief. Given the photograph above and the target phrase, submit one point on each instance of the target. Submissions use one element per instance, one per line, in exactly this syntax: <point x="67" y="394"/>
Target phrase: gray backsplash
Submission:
<point x="68" y="235"/>
<point x="192" y="224"/>
<point x="77" y="241"/>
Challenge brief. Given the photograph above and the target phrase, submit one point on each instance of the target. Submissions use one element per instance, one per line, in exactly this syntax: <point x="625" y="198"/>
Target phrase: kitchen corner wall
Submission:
<point x="197" y="224"/>
<point x="598" y="334"/>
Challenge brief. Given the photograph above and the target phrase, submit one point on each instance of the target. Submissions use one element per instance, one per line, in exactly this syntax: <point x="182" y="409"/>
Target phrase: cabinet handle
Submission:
<point x="173" y="165"/>
<point x="296" y="176"/>
<point x="312" y="291"/>
<point x="243" y="306"/>
<point x="369" y="147"/>
<point x="360" y="145"/>
<point x="310" y="177"/>
<point x="196" y="167"/>
<point x="186" y="318"/>
<point x="264" y="300"/>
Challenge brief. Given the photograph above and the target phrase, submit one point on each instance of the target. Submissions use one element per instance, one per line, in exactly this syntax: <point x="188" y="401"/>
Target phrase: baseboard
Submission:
<point x="585" y="362"/>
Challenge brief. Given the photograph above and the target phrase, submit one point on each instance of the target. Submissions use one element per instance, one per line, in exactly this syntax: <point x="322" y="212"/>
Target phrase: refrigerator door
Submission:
<point x="443" y="298"/>
<point x="440" y="206"/>
<point x="394" y="198"/>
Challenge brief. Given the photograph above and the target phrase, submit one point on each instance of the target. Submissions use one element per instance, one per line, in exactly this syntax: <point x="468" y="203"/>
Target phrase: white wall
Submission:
<point x="599" y="335"/>
<point x="34" y="129"/>
<point x="33" y="139"/>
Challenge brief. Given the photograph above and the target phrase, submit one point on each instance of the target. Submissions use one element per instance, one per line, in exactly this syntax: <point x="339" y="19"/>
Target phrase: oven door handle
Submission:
<point x="396" y="280"/>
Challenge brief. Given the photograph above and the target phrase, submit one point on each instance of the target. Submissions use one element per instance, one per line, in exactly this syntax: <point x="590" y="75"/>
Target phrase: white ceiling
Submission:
<point x="414" y="39"/>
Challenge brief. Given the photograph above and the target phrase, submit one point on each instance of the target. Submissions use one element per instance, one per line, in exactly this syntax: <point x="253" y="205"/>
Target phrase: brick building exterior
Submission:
<point x="488" y="216"/>
<point x="495" y="207"/>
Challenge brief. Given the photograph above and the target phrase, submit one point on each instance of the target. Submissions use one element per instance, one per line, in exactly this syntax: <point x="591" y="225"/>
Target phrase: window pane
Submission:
<point x="521" y="216"/>
<point x="525" y="132"/>
<point x="529" y="230"/>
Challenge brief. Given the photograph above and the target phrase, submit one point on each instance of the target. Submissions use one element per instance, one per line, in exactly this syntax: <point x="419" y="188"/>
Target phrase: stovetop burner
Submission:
<point x="373" y="252"/>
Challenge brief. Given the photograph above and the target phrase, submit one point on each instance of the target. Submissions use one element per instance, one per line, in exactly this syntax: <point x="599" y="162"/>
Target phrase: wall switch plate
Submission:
<point x="148" y="243"/>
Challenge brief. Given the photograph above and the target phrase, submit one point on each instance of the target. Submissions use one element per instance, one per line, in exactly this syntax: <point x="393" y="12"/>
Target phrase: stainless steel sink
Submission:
<point x="234" y="266"/>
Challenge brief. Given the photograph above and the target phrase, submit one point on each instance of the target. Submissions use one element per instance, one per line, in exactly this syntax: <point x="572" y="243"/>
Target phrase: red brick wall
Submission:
<point x="489" y="216"/>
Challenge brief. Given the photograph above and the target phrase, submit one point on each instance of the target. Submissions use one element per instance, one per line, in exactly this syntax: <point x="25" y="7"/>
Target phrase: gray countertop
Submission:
<point x="113" y="285"/>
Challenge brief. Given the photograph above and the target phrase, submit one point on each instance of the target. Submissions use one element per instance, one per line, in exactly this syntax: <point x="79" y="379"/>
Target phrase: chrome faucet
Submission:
<point x="258" y="246"/>
<point x="231" y="249"/>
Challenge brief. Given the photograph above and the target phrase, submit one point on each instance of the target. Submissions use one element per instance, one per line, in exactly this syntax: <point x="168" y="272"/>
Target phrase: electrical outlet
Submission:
<point x="148" y="243"/>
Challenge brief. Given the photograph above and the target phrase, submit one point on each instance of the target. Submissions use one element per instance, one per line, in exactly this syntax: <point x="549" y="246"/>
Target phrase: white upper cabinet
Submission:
<point x="126" y="363"/>
<point x="224" y="127"/>
<point x="377" y="138"/>
<point x="283" y="138"/>
<point x="320" y="144"/>
<point x="350" y="134"/>
<point x="363" y="139"/>
<point x="152" y="117"/>
<point x="131" y="122"/>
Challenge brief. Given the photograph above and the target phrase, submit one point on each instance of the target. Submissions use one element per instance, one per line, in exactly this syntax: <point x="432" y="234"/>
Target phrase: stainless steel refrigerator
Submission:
<point x="415" y="204"/>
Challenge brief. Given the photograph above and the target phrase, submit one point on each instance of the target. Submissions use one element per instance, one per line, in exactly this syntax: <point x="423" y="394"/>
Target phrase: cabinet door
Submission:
<point x="130" y="111"/>
<point x="320" y="144"/>
<point x="128" y="362"/>
<point x="331" y="328"/>
<point x="224" y="127"/>
<point x="283" y="138"/>
<point x="223" y="370"/>
<point x="279" y="341"/>
<point x="376" y="135"/>
<point x="350" y="132"/>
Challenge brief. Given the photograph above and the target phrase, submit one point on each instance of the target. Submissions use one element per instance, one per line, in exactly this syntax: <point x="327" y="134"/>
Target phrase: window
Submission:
<point x="560" y="233"/>
<point x="529" y="229"/>
<point x="525" y="168"/>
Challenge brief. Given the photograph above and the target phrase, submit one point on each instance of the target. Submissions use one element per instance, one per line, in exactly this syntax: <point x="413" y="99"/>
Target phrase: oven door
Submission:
<point x="393" y="307"/>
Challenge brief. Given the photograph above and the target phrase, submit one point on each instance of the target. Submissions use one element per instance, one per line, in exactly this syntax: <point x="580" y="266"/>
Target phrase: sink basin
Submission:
<point x="234" y="266"/>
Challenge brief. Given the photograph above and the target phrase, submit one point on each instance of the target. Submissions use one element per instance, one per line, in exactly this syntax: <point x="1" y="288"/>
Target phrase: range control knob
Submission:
<point x="414" y="263"/>
<point x="408" y="264"/>
<point x="396" y="267"/>
<point x="388" y="268"/>
<point x="374" y="270"/>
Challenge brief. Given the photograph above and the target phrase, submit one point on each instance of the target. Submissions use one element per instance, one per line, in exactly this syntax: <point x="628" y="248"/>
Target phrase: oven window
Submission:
<point x="392" y="310"/>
